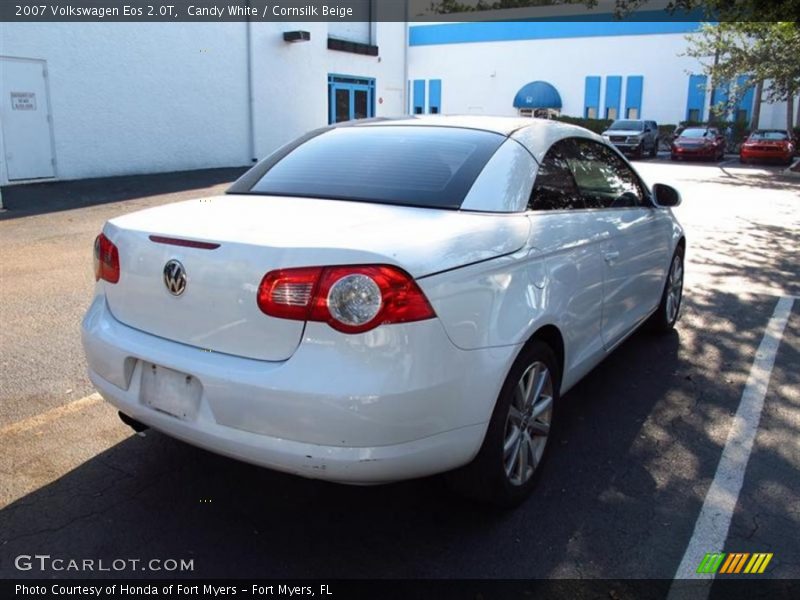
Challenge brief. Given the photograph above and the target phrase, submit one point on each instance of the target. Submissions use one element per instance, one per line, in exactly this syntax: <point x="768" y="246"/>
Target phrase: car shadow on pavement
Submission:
<point x="639" y="441"/>
<point x="46" y="197"/>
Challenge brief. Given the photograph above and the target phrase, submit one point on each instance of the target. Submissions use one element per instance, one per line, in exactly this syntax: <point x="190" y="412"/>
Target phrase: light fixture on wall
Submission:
<point x="296" y="36"/>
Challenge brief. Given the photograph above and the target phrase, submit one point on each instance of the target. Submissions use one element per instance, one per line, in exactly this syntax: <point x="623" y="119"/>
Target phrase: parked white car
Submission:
<point x="386" y="299"/>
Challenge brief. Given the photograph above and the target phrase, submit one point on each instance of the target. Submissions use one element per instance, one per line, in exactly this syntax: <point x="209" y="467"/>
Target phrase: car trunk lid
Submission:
<point x="244" y="237"/>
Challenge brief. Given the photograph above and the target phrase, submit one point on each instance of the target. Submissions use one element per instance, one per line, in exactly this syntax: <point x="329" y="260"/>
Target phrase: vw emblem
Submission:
<point x="175" y="277"/>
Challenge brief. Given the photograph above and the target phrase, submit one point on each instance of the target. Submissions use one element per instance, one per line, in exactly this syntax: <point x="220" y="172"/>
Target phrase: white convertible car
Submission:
<point x="386" y="299"/>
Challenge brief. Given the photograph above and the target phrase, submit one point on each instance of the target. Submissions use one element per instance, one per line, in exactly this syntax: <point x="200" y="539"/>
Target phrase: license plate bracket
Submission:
<point x="172" y="392"/>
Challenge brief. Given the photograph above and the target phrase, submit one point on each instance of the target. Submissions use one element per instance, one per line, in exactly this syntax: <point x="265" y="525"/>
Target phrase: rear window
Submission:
<point x="769" y="135"/>
<point x="627" y="126"/>
<point x="696" y="133"/>
<point x="390" y="164"/>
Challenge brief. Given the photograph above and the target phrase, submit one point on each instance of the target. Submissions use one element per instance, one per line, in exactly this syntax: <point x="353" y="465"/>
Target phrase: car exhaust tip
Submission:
<point x="137" y="426"/>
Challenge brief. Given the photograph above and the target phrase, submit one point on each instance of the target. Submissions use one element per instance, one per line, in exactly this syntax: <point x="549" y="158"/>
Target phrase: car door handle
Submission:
<point x="611" y="256"/>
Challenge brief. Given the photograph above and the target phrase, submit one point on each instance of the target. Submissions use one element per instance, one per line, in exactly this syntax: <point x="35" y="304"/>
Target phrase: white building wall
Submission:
<point x="291" y="80"/>
<point x="132" y="98"/>
<point x="773" y="116"/>
<point x="128" y="98"/>
<point x="484" y="77"/>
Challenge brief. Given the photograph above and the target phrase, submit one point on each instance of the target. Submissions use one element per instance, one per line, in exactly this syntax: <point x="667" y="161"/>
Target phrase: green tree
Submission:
<point x="767" y="52"/>
<point x="722" y="10"/>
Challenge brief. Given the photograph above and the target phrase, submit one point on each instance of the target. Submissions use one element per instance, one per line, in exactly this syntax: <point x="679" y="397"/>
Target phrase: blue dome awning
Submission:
<point x="537" y="94"/>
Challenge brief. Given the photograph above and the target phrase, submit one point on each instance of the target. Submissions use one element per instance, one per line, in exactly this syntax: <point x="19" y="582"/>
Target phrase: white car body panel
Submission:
<point x="261" y="233"/>
<point x="505" y="183"/>
<point x="401" y="400"/>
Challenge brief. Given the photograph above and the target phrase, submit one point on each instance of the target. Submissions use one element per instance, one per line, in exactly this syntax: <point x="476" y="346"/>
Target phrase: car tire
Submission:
<point x="669" y="309"/>
<point x="654" y="149"/>
<point x="743" y="160"/>
<point x="507" y="468"/>
<point x="673" y="157"/>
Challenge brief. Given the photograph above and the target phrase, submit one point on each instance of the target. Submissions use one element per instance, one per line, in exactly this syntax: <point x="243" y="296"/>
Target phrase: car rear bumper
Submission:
<point x="765" y="154"/>
<point x="694" y="152"/>
<point x="395" y="403"/>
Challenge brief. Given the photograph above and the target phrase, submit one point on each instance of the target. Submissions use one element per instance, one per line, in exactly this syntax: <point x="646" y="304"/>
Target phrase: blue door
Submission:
<point x="350" y="98"/>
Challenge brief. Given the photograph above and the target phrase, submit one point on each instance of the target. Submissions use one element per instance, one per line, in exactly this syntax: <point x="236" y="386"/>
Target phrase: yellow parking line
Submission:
<point x="50" y="415"/>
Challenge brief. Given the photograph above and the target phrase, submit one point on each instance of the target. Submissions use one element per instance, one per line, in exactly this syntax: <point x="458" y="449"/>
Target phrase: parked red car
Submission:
<point x="768" y="145"/>
<point x="698" y="142"/>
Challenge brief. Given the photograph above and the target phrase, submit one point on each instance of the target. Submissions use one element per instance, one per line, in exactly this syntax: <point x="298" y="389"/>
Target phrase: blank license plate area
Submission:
<point x="172" y="392"/>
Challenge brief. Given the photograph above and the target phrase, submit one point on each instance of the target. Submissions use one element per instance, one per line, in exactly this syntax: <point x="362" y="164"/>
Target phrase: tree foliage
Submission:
<point x="764" y="51"/>
<point x="722" y="10"/>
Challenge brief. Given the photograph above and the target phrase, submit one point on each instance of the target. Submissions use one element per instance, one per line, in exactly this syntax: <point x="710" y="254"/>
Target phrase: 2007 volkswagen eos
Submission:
<point x="386" y="299"/>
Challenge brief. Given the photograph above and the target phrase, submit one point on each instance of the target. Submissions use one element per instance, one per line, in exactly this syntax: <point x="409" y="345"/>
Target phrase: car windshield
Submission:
<point x="627" y="126"/>
<point x="769" y="135"/>
<point x="696" y="133"/>
<point x="386" y="164"/>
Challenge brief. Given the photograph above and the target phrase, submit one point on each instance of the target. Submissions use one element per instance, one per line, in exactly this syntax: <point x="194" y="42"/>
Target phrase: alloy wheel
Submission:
<point x="528" y="424"/>
<point x="674" y="289"/>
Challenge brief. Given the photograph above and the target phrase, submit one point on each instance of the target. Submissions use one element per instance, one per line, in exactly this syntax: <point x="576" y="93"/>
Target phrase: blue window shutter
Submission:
<point x="592" y="96"/>
<point x="633" y="95"/>
<point x="613" y="94"/>
<point x="746" y="102"/>
<point x="720" y="97"/>
<point x="419" y="96"/>
<point x="696" y="99"/>
<point x="435" y="96"/>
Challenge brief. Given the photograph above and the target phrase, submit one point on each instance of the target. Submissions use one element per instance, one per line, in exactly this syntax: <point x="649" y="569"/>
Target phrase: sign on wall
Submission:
<point x="23" y="101"/>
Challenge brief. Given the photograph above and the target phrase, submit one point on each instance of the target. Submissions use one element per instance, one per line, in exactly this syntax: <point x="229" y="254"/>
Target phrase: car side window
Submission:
<point x="555" y="187"/>
<point x="603" y="178"/>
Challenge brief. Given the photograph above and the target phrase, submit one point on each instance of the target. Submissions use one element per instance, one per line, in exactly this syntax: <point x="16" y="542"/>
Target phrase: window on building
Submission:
<point x="634" y="86"/>
<point x="354" y="31"/>
<point x="350" y="98"/>
<point x="435" y="96"/>
<point x="613" y="96"/>
<point x="419" y="96"/>
<point x="591" y="95"/>
<point x="525" y="112"/>
<point x="696" y="98"/>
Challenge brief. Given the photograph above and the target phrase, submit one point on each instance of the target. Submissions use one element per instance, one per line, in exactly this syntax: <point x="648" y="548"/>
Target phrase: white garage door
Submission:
<point x="24" y="113"/>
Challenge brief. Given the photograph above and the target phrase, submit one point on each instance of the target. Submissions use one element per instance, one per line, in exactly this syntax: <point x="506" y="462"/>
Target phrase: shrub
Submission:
<point x="596" y="125"/>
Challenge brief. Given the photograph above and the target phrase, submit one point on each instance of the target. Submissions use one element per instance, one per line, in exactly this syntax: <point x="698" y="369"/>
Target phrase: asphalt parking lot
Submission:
<point x="641" y="438"/>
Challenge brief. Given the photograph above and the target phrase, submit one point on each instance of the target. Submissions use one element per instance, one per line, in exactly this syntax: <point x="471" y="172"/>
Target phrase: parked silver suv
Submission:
<point x="634" y="136"/>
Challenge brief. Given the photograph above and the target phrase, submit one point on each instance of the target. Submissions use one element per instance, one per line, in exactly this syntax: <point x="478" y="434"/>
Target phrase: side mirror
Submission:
<point x="666" y="195"/>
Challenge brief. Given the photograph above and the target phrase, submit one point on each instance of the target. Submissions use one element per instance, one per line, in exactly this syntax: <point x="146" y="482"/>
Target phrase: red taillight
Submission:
<point x="351" y="299"/>
<point x="106" y="260"/>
